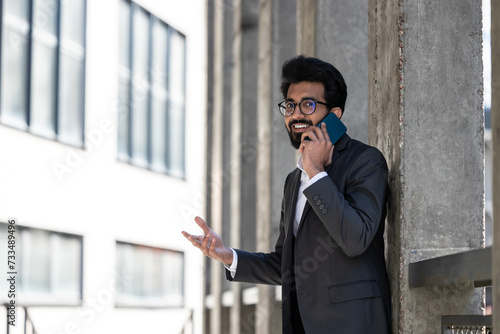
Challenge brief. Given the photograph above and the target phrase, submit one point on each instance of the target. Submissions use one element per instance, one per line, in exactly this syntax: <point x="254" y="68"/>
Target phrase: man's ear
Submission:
<point x="337" y="111"/>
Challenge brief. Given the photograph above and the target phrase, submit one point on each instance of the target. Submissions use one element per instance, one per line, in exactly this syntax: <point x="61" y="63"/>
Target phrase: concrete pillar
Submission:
<point x="217" y="160"/>
<point x="249" y="74"/>
<point x="495" y="130"/>
<point x="276" y="44"/>
<point x="337" y="31"/>
<point x="264" y="125"/>
<point x="342" y="39"/>
<point x="425" y="114"/>
<point x="306" y="27"/>
<point x="236" y="124"/>
<point x="210" y="94"/>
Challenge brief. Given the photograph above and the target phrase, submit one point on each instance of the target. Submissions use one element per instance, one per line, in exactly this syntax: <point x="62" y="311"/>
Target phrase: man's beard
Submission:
<point x="296" y="138"/>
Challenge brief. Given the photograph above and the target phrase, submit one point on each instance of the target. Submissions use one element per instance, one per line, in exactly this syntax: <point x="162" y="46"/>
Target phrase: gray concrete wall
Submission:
<point x="336" y="31"/>
<point x="425" y="114"/>
<point x="342" y="39"/>
<point x="227" y="132"/>
<point x="495" y="129"/>
<point x="235" y="164"/>
<point x="283" y="154"/>
<point x="217" y="166"/>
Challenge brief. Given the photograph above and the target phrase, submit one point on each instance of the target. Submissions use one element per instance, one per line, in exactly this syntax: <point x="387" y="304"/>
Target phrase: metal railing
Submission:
<point x="28" y="326"/>
<point x="466" y="324"/>
<point x="471" y="266"/>
<point x="188" y="326"/>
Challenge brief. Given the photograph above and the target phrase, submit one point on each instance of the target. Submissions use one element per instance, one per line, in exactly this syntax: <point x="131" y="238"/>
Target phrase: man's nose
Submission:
<point x="297" y="114"/>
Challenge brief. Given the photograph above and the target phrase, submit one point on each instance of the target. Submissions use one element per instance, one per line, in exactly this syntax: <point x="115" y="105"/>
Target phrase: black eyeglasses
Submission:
<point x="306" y="106"/>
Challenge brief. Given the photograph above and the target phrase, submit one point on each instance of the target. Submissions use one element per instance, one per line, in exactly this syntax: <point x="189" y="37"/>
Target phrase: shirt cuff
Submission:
<point x="316" y="177"/>
<point x="234" y="265"/>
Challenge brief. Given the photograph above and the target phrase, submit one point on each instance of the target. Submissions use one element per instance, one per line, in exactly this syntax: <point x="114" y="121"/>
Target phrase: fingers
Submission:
<point x="202" y="224"/>
<point x="315" y="133"/>
<point x="210" y="243"/>
<point x="330" y="156"/>
<point x="194" y="239"/>
<point x="324" y="131"/>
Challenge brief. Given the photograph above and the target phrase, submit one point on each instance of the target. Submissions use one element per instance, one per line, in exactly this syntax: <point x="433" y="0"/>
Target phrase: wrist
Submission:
<point x="314" y="172"/>
<point x="228" y="259"/>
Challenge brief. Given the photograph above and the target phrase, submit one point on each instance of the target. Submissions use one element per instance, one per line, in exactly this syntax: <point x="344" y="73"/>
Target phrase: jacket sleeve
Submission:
<point x="352" y="217"/>
<point x="260" y="268"/>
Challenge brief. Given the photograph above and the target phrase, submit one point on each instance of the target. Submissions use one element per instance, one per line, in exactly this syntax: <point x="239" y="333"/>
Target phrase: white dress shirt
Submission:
<point x="299" y="210"/>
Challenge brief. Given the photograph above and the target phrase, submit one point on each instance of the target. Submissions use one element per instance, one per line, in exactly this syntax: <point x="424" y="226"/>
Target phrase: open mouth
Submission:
<point x="300" y="126"/>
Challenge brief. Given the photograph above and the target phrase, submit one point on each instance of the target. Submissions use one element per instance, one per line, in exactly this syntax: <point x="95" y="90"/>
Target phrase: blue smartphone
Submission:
<point x="334" y="127"/>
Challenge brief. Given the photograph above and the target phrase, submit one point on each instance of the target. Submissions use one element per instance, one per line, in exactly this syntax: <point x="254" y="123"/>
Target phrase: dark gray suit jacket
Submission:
<point x="336" y="262"/>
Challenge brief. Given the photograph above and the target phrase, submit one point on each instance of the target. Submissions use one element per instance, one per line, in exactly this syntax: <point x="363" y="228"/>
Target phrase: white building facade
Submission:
<point x="102" y="131"/>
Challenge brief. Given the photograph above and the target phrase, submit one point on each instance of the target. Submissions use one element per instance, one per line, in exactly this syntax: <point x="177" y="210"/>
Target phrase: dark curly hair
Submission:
<point x="302" y="68"/>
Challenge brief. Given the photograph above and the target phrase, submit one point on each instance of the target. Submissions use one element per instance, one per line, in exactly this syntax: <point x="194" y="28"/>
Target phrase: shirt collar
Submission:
<point x="300" y="165"/>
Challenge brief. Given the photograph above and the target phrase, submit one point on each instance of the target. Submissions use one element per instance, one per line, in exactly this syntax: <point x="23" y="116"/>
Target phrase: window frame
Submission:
<point x="128" y="301"/>
<point x="52" y="297"/>
<point x="32" y="38"/>
<point x="126" y="77"/>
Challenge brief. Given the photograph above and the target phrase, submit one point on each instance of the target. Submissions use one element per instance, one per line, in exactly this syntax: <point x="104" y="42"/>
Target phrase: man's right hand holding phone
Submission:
<point x="317" y="152"/>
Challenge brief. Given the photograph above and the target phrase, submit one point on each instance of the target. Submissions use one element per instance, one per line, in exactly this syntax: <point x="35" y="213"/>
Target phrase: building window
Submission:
<point x="48" y="266"/>
<point x="151" y="92"/>
<point x="152" y="276"/>
<point x="43" y="68"/>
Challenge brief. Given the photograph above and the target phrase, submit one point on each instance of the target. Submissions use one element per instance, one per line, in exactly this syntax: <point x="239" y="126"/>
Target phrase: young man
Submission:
<point x="329" y="256"/>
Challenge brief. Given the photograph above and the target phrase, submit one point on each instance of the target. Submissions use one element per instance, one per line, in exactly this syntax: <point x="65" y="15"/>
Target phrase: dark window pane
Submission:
<point x="141" y="48"/>
<point x="43" y="89"/>
<point x="140" y="126"/>
<point x="154" y="275"/>
<point x="35" y="252"/>
<point x="14" y="77"/>
<point x="159" y="131"/>
<point x="73" y="21"/>
<point x="123" y="118"/>
<point x="71" y="100"/>
<point x="160" y="53"/>
<point x="124" y="43"/>
<point x="18" y="8"/>
<point x="67" y="266"/>
<point x="176" y="68"/>
<point x="175" y="132"/>
<point x="45" y="15"/>
<point x="176" y="107"/>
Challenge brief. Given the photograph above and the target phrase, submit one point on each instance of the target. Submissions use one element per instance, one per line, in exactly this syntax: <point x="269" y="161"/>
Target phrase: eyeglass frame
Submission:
<point x="298" y="104"/>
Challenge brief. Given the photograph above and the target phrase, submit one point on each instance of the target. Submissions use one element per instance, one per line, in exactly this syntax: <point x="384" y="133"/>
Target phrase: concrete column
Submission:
<point x="217" y="160"/>
<point x="342" y="39"/>
<point x="249" y="75"/>
<point x="248" y="142"/>
<point x="495" y="130"/>
<point x="264" y="125"/>
<point x="306" y="27"/>
<point x="337" y="31"/>
<point x="425" y="114"/>
<point x="283" y="154"/>
<point x="236" y="137"/>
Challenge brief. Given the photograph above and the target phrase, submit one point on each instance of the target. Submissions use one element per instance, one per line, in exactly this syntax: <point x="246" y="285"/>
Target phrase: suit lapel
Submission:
<point x="292" y="200"/>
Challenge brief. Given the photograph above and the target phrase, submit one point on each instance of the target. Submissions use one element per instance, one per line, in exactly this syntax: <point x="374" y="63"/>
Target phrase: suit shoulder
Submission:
<point x="358" y="147"/>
